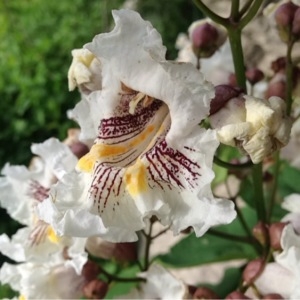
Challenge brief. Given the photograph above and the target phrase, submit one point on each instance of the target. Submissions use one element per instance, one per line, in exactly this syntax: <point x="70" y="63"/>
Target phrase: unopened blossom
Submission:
<point x="149" y="157"/>
<point x="84" y="72"/>
<point x="257" y="126"/>
<point x="216" y="68"/>
<point x="206" y="37"/>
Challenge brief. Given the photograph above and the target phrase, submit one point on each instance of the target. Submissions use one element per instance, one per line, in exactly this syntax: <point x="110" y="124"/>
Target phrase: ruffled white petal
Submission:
<point x="171" y="82"/>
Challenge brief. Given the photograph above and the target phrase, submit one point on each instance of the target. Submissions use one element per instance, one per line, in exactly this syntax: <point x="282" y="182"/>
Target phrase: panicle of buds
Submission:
<point x="275" y="232"/>
<point x="206" y="37"/>
<point x="286" y="23"/>
<point x="260" y="232"/>
<point x="253" y="269"/>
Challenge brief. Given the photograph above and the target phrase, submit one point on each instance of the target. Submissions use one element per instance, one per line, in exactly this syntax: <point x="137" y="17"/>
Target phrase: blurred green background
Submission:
<point x="37" y="37"/>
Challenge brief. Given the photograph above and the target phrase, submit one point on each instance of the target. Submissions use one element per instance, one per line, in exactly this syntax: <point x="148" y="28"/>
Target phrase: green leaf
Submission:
<point x="247" y="192"/>
<point x="289" y="180"/>
<point x="192" y="251"/>
<point x="229" y="282"/>
<point x="122" y="288"/>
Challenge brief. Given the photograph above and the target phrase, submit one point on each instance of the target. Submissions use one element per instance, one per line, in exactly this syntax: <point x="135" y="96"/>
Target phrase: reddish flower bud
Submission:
<point x="275" y="231"/>
<point x="205" y="293"/>
<point x="272" y="297"/>
<point x="260" y="232"/>
<point x="90" y="270"/>
<point x="254" y="75"/>
<point x="296" y="24"/>
<point x="79" y="149"/>
<point x="223" y="93"/>
<point x="236" y="295"/>
<point x="253" y="269"/>
<point x="284" y="14"/>
<point x="232" y="80"/>
<point x="124" y="252"/>
<point x="95" y="289"/>
<point x="276" y="89"/>
<point x="284" y="17"/>
<point x="206" y="38"/>
<point x="278" y="64"/>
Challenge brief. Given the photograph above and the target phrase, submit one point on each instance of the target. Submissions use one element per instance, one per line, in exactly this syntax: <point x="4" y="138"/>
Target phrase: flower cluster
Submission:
<point x="150" y="131"/>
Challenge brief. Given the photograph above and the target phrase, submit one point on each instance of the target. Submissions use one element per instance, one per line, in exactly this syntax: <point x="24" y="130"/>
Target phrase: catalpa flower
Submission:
<point x="257" y="126"/>
<point x="149" y="157"/>
<point x="21" y="189"/>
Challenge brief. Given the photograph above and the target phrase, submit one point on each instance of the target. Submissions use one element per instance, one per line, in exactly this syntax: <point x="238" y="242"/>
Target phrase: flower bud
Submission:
<point x="260" y="232"/>
<point x="254" y="75"/>
<point x="236" y="295"/>
<point x="90" y="270"/>
<point x="272" y="297"/>
<point x="79" y="149"/>
<point x="223" y="93"/>
<point x="206" y="38"/>
<point x="276" y="88"/>
<point x="124" y="252"/>
<point x="205" y="293"/>
<point x="95" y="289"/>
<point x="232" y="81"/>
<point x="253" y="269"/>
<point x="284" y="14"/>
<point x="275" y="231"/>
<point x="296" y="24"/>
<point x="284" y="17"/>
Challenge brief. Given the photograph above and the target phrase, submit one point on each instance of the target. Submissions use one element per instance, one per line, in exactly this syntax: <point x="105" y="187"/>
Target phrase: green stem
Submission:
<point x="275" y="185"/>
<point x="229" y="166"/>
<point x="234" y="35"/>
<point x="147" y="251"/>
<point x="234" y="13"/>
<point x="209" y="13"/>
<point x="250" y="14"/>
<point x="259" y="200"/>
<point x="245" y="8"/>
<point x="289" y="78"/>
<point x="112" y="277"/>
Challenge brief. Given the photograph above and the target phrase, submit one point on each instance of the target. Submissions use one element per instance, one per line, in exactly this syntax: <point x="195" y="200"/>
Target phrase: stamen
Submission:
<point x="37" y="191"/>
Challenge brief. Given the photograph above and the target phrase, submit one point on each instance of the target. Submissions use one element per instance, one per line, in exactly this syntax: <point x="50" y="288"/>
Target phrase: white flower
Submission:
<point x="20" y="191"/>
<point x="257" y="126"/>
<point x="43" y="281"/>
<point x="160" y="284"/>
<point x="283" y="275"/>
<point x="150" y="157"/>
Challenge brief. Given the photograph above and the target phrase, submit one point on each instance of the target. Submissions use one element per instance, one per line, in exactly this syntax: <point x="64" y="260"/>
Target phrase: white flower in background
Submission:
<point x="85" y="72"/>
<point x="291" y="151"/>
<point x="20" y="191"/>
<point x="257" y="126"/>
<point x="43" y="281"/>
<point x="160" y="284"/>
<point x="150" y="157"/>
<point x="283" y="275"/>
